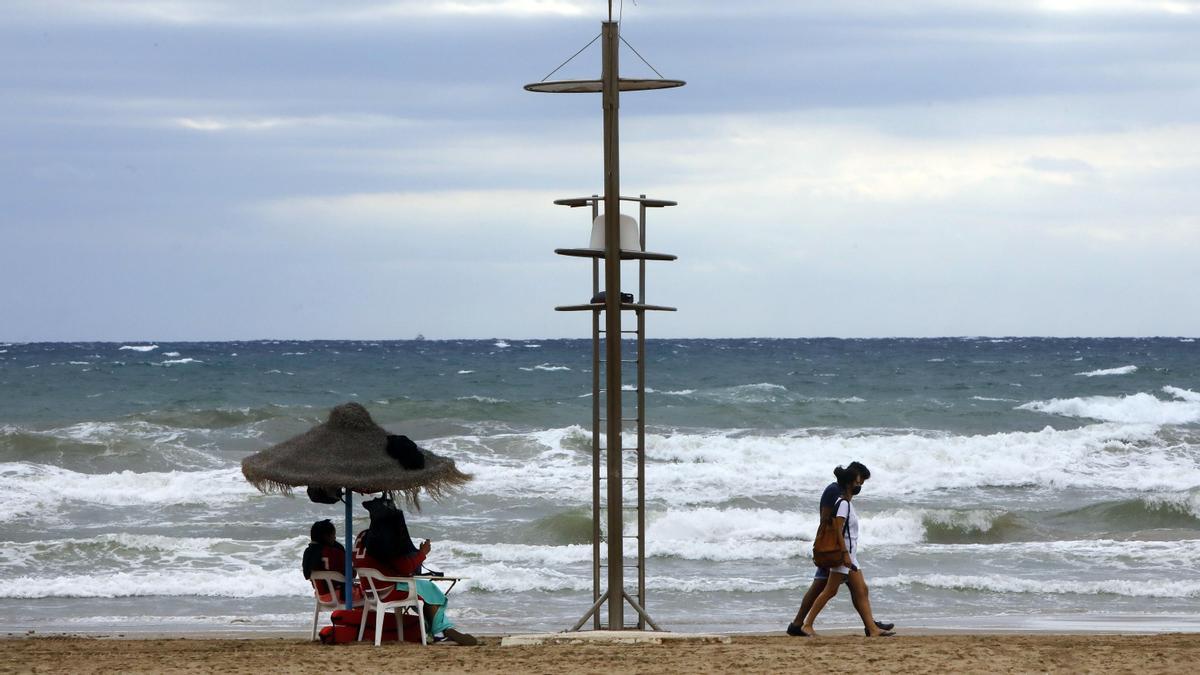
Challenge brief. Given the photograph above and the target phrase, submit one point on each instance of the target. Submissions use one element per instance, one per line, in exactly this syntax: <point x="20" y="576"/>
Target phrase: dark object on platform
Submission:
<point x="324" y="495"/>
<point x="602" y="297"/>
<point x="403" y="450"/>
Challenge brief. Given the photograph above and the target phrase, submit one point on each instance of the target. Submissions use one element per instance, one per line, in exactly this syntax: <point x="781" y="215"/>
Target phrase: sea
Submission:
<point x="1016" y="483"/>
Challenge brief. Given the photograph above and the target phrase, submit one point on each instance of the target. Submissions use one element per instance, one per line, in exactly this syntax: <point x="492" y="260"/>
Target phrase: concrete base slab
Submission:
<point x="613" y="637"/>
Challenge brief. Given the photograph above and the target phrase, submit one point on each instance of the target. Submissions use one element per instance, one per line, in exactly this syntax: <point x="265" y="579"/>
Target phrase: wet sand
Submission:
<point x="1172" y="653"/>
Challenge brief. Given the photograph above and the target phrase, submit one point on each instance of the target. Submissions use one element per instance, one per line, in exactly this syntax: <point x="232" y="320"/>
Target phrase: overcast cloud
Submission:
<point x="192" y="169"/>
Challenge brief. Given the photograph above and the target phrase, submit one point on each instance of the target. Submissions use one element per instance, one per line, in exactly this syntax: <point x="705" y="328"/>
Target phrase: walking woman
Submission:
<point x="845" y="523"/>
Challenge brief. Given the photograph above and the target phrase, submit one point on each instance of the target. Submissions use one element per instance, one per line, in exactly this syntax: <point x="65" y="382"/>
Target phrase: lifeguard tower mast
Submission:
<point x="615" y="237"/>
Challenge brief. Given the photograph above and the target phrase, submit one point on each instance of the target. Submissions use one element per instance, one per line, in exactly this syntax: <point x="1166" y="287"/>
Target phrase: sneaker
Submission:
<point x="796" y="631"/>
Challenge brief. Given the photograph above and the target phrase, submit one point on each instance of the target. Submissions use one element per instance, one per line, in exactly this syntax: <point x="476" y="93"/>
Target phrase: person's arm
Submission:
<point x="411" y="563"/>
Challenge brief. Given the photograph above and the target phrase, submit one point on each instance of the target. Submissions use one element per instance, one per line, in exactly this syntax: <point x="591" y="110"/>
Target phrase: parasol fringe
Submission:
<point x="436" y="489"/>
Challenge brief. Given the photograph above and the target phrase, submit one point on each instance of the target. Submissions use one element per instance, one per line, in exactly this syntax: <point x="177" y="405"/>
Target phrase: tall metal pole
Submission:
<point x="612" y="325"/>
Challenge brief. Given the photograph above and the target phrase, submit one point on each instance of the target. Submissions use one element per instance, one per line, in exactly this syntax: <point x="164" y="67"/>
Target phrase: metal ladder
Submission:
<point x="635" y="417"/>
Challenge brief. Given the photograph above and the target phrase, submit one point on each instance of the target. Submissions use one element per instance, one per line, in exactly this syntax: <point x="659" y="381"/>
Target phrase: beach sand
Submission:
<point x="1173" y="653"/>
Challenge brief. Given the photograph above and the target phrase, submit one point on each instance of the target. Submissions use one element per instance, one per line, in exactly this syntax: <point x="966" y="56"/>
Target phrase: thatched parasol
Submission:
<point x="349" y="451"/>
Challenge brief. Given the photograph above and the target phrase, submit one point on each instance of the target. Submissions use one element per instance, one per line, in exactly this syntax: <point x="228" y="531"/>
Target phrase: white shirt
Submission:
<point x="846" y="510"/>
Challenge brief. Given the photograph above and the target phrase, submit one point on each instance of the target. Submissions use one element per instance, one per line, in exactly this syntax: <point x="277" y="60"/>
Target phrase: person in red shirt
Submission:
<point x="386" y="546"/>
<point x="325" y="554"/>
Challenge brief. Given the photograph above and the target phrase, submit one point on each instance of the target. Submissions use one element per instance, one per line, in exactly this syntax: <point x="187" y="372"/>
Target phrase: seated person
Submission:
<point x="325" y="554"/>
<point x="386" y="546"/>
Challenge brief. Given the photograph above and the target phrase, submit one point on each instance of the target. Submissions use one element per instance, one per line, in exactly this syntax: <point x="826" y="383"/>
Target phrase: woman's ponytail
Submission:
<point x="844" y="476"/>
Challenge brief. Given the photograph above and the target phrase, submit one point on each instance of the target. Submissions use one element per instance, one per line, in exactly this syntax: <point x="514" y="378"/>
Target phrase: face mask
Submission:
<point x="856" y="489"/>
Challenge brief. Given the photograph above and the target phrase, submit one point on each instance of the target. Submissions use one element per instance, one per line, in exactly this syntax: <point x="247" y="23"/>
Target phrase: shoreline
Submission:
<point x="1086" y="624"/>
<point x="1166" y="653"/>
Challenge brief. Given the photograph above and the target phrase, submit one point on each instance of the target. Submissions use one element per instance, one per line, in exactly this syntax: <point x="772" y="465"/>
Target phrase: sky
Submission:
<point x="253" y="169"/>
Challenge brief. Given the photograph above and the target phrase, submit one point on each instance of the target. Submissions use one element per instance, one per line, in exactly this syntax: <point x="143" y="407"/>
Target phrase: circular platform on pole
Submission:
<point x="596" y="86"/>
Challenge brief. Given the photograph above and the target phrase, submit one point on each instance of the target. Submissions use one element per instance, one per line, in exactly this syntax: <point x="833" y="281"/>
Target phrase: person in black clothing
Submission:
<point x="858" y="595"/>
<point x="325" y="554"/>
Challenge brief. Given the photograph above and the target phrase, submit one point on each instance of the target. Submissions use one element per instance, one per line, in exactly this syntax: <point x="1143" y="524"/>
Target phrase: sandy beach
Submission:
<point x="1172" y="653"/>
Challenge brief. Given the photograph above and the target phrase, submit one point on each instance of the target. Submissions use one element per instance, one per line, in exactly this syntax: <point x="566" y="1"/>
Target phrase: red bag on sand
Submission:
<point x="345" y="628"/>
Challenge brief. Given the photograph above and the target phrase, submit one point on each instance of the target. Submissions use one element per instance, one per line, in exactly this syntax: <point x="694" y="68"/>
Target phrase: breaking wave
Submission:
<point x="1140" y="408"/>
<point x="41" y="490"/>
<point x="1123" y="370"/>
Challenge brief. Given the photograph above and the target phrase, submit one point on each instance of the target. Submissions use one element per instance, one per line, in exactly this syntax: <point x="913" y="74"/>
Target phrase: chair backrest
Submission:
<point x="323" y="586"/>
<point x="377" y="585"/>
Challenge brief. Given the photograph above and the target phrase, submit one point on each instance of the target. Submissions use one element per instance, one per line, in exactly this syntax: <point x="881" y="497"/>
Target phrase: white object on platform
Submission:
<point x="630" y="235"/>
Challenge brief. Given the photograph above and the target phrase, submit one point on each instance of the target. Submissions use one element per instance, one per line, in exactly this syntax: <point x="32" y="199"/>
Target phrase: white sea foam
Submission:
<point x="177" y="362"/>
<point x="125" y="437"/>
<point x="130" y="549"/>
<point x="255" y="621"/>
<point x="709" y="468"/>
<point x="1140" y="408"/>
<point x="249" y="581"/>
<point x="1187" y="339"/>
<point x="989" y="398"/>
<point x="935" y="360"/>
<point x="1122" y="370"/>
<point x="501" y="344"/>
<point x="39" y="490"/>
<point x="170" y="354"/>
<point x="465" y="372"/>
<point x="761" y="392"/>
<point x="525" y="554"/>
<point x="505" y="577"/>
<point x="546" y="367"/>
<point x="139" y="348"/>
<point x="994" y="583"/>
<point x="502" y="577"/>
<point x="481" y="399"/>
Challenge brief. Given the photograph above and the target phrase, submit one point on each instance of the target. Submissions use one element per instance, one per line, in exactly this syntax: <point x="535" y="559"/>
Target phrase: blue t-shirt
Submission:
<point x="830" y="496"/>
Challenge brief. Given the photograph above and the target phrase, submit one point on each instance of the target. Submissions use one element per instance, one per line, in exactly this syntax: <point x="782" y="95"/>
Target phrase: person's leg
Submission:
<point x="860" y="595"/>
<point x="806" y="604"/>
<point x="826" y="594"/>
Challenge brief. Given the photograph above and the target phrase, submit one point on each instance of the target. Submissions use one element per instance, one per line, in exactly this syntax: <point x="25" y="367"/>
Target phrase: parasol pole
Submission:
<point x="348" y="589"/>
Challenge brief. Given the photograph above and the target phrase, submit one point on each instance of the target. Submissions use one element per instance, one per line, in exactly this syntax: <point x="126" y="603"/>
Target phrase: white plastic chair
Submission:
<point x="375" y="587"/>
<point x="326" y="594"/>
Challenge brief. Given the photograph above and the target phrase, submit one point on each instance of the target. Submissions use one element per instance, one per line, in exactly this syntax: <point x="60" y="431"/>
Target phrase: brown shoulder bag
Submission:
<point x="828" y="548"/>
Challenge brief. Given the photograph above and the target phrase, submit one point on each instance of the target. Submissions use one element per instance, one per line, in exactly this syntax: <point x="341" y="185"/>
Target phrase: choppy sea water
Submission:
<point x="1040" y="483"/>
